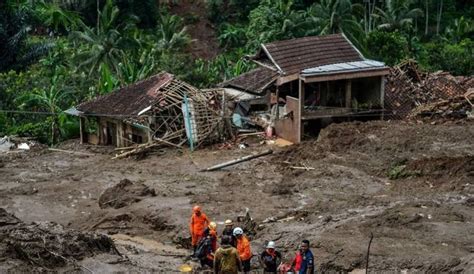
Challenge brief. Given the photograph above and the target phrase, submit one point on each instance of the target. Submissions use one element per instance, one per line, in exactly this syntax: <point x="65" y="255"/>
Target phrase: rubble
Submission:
<point x="408" y="87"/>
<point x="124" y="194"/>
<point x="457" y="107"/>
<point x="48" y="244"/>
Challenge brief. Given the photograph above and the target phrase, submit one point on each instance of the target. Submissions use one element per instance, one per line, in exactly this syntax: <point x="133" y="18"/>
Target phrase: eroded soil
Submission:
<point x="411" y="185"/>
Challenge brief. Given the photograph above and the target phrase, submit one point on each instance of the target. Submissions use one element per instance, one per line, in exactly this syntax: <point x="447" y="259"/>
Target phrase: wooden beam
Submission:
<point x="300" y="109"/>
<point x="348" y="99"/>
<point x="81" y="130"/>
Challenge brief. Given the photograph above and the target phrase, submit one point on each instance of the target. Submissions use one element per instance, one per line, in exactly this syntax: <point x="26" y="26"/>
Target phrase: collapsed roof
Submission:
<point x="129" y="100"/>
<point x="254" y="81"/>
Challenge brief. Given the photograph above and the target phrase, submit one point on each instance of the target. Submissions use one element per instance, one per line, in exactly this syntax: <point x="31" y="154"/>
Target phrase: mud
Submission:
<point x="409" y="184"/>
<point x="46" y="244"/>
<point x="124" y="194"/>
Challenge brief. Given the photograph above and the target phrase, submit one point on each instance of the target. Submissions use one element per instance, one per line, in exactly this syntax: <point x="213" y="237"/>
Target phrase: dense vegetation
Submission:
<point x="55" y="54"/>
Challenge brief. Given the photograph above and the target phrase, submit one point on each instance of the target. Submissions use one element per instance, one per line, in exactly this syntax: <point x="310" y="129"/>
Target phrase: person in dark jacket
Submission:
<point x="307" y="260"/>
<point x="229" y="231"/>
<point x="270" y="259"/>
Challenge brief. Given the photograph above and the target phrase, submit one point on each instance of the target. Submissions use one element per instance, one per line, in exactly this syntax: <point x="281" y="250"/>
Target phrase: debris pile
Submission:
<point x="48" y="244"/>
<point x="15" y="143"/>
<point x="459" y="107"/>
<point x="180" y="114"/>
<point x="408" y="88"/>
<point x="124" y="193"/>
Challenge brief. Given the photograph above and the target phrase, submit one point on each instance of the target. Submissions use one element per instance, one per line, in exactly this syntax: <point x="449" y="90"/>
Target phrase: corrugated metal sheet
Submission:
<point x="344" y="67"/>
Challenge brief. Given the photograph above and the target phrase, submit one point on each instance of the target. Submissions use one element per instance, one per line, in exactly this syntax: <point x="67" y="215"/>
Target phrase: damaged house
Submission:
<point x="307" y="82"/>
<point x="157" y="110"/>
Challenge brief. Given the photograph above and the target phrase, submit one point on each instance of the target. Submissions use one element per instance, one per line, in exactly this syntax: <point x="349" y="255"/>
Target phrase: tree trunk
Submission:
<point x="426" y="17"/>
<point x="440" y="12"/>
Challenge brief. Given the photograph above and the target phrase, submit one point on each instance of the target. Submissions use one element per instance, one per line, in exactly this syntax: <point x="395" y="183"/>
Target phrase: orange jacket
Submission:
<point x="243" y="247"/>
<point x="198" y="224"/>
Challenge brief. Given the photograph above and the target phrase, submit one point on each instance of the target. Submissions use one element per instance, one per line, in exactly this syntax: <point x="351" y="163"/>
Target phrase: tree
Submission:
<point x="171" y="35"/>
<point x="16" y="51"/>
<point x="54" y="16"/>
<point x="397" y="15"/>
<point x="49" y="100"/>
<point x="390" y="47"/>
<point x="103" y="44"/>
<point x="277" y="20"/>
<point x="335" y="16"/>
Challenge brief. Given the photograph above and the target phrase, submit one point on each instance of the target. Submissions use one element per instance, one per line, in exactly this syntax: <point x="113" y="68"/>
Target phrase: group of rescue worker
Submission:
<point x="235" y="254"/>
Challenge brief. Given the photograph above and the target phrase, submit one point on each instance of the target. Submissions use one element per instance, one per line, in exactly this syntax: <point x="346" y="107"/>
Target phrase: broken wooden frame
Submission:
<point x="181" y="114"/>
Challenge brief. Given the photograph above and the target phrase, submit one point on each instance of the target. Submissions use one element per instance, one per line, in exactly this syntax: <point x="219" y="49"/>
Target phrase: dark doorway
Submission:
<point x="111" y="134"/>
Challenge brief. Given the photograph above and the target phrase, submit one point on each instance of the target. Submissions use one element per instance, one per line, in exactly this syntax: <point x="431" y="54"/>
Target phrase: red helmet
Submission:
<point x="196" y="209"/>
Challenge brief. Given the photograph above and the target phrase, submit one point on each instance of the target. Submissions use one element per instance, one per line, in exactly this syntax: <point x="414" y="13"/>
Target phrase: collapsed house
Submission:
<point x="158" y="110"/>
<point x="303" y="83"/>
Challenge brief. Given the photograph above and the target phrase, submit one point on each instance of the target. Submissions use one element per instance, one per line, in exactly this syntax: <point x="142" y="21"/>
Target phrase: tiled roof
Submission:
<point x="294" y="55"/>
<point x="129" y="100"/>
<point x="254" y="81"/>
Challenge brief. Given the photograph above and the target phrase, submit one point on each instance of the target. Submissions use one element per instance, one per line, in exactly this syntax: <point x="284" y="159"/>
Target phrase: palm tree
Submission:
<point x="15" y="50"/>
<point x="56" y="17"/>
<point x="103" y="44"/>
<point x="49" y="100"/>
<point x="171" y="35"/>
<point x="335" y="16"/>
<point x="397" y="15"/>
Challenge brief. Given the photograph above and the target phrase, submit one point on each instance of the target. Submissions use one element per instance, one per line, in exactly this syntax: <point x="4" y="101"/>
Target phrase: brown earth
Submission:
<point x="203" y="34"/>
<point x="421" y="219"/>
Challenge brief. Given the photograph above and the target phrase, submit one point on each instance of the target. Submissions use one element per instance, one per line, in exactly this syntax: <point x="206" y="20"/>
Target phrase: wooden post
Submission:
<point x="81" y="129"/>
<point x="348" y="93"/>
<point x="149" y="135"/>
<point x="301" y="110"/>
<point x="277" y="113"/>
<point x="382" y="95"/>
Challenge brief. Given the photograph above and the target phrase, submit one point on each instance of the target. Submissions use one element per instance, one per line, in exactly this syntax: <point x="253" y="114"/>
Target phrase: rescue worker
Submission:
<point x="243" y="247"/>
<point x="226" y="259"/>
<point x="270" y="259"/>
<point x="306" y="265"/>
<point x="207" y="245"/>
<point x="198" y="224"/>
<point x="229" y="231"/>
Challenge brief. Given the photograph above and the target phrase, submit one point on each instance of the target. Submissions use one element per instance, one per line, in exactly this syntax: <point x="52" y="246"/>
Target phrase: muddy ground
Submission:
<point x="411" y="185"/>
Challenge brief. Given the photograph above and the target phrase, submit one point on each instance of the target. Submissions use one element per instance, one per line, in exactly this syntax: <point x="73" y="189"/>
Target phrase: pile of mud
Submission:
<point x="124" y="193"/>
<point x="48" y="244"/>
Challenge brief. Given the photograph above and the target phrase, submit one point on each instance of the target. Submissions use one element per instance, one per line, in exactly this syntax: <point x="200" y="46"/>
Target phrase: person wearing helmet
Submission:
<point x="229" y="231"/>
<point x="243" y="247"/>
<point x="198" y="224"/>
<point x="270" y="259"/>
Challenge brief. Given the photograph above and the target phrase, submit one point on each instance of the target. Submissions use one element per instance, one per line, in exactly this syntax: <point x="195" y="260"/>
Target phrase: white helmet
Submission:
<point x="238" y="231"/>
<point x="271" y="244"/>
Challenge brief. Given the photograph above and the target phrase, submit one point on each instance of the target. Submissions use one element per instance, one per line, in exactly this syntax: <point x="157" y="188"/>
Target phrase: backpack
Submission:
<point x="204" y="248"/>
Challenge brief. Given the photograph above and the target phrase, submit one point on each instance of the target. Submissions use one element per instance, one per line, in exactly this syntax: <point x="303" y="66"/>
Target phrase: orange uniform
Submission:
<point x="197" y="226"/>
<point x="243" y="247"/>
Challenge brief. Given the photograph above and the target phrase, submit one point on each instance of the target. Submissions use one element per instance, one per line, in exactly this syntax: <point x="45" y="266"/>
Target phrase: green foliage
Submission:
<point x="39" y="130"/>
<point x="397" y="15"/>
<point x="390" y="47"/>
<point x="17" y="51"/>
<point x="52" y="15"/>
<point x="336" y="16"/>
<point x="456" y="58"/>
<point x="399" y="171"/>
<point x="107" y="44"/>
<point x="276" y="20"/>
